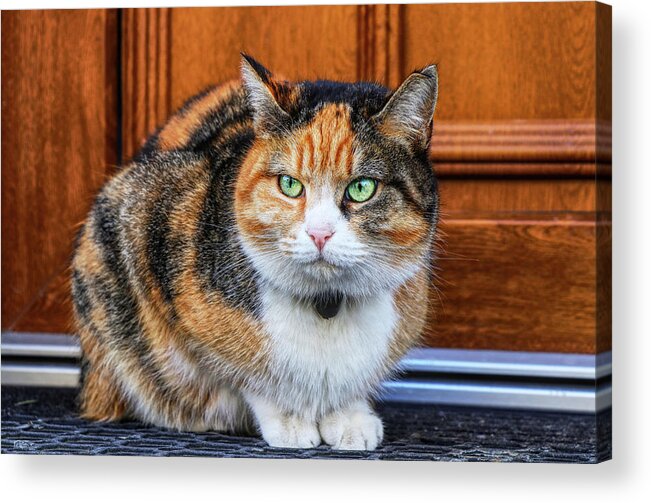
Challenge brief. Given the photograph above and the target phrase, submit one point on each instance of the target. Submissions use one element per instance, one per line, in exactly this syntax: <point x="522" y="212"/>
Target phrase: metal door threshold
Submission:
<point x="478" y="378"/>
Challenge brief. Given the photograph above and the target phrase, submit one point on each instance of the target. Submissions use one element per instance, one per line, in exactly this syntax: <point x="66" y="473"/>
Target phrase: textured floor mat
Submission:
<point x="44" y="421"/>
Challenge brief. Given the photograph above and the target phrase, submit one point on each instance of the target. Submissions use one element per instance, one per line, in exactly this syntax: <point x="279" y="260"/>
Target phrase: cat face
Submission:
<point x="337" y="194"/>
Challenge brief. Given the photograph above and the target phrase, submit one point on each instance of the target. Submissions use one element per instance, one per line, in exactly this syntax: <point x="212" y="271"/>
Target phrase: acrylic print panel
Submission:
<point x="363" y="231"/>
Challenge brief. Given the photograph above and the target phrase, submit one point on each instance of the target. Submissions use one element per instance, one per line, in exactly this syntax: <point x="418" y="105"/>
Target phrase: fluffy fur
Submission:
<point x="195" y="278"/>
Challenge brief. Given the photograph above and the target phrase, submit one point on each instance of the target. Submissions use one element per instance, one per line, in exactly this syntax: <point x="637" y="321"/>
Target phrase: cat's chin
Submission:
<point x="313" y="280"/>
<point x="323" y="268"/>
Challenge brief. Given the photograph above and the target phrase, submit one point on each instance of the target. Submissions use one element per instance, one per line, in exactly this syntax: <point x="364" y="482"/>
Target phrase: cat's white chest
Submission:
<point x="321" y="364"/>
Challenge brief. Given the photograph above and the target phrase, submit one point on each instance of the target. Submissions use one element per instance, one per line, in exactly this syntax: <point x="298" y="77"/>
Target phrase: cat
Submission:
<point x="263" y="262"/>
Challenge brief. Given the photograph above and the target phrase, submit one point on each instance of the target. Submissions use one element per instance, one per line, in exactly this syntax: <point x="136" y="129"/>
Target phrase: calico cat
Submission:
<point x="263" y="262"/>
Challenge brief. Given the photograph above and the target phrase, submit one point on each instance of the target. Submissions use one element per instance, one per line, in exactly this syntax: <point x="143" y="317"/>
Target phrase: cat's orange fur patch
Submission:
<point x="176" y="133"/>
<point x="325" y="145"/>
<point x="100" y="398"/>
<point x="239" y="339"/>
<point x="407" y="233"/>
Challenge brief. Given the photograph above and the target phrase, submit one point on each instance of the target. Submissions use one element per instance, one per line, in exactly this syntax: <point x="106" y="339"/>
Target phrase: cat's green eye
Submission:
<point x="361" y="190"/>
<point x="289" y="186"/>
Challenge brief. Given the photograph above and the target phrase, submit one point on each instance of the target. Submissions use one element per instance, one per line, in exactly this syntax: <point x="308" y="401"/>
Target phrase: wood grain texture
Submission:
<point x="59" y="113"/>
<point x="521" y="170"/>
<point x="146" y="97"/>
<point x="517" y="284"/>
<point x="514" y="194"/>
<point x="504" y="61"/>
<point x="380" y="44"/>
<point x="295" y="42"/>
<point x="604" y="62"/>
<point x="51" y="309"/>
<point x="548" y="141"/>
<point x="603" y="107"/>
<point x="604" y="292"/>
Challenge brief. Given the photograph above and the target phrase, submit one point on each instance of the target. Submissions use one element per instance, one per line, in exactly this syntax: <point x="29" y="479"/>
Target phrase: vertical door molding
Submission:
<point x="146" y="67"/>
<point x="380" y="49"/>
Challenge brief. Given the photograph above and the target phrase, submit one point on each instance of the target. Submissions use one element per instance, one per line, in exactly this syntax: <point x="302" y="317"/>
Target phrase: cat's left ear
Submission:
<point x="268" y="116"/>
<point x="409" y="113"/>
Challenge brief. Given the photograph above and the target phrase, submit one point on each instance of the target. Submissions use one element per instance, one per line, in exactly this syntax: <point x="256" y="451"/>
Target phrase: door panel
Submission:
<point x="521" y="143"/>
<point x="516" y="284"/>
<point x="59" y="123"/>
<point x="507" y="61"/>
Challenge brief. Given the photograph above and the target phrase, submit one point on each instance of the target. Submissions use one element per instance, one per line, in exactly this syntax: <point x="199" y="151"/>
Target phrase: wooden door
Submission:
<point x="521" y="142"/>
<point x="59" y="143"/>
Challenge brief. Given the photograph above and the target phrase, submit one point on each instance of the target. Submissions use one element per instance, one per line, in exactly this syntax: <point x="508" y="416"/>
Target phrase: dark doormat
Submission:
<point x="44" y="421"/>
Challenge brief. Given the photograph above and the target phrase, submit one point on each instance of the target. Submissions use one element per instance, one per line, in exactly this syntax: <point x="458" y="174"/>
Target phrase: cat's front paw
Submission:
<point x="292" y="432"/>
<point x="355" y="429"/>
<point x="280" y="429"/>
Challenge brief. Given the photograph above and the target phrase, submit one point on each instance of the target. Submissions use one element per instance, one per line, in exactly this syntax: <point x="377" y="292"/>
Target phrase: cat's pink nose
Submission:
<point x="320" y="235"/>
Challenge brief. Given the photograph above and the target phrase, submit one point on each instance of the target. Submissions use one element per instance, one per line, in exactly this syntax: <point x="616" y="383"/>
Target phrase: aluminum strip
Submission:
<point x="40" y="345"/>
<point x="604" y="398"/>
<point x="511" y="363"/>
<point x="430" y="360"/>
<point x="485" y="394"/>
<point x="478" y="394"/>
<point x="55" y="375"/>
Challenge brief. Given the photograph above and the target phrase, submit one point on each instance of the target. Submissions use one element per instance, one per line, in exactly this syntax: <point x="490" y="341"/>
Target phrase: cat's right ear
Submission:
<point x="409" y="113"/>
<point x="269" y="118"/>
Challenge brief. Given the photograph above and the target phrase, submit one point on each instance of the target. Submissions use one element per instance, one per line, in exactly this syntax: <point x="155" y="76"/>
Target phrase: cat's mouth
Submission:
<point x="324" y="264"/>
<point x="323" y="260"/>
<point x="333" y="261"/>
<point x="319" y="261"/>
